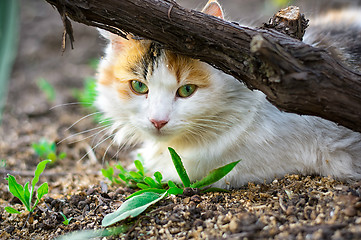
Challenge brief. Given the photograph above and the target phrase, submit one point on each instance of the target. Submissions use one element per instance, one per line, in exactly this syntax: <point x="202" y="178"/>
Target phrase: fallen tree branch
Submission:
<point x="295" y="76"/>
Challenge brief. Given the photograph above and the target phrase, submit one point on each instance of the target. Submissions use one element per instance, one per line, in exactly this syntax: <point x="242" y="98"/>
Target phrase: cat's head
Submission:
<point x="150" y="92"/>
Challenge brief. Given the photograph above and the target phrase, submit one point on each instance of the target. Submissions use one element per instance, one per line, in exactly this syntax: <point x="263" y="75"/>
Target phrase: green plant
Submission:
<point x="87" y="96"/>
<point x="66" y="220"/>
<point x="9" y="29"/>
<point x="47" y="150"/>
<point x="281" y="3"/>
<point x="2" y="163"/>
<point x="153" y="190"/>
<point x="93" y="63"/>
<point x="24" y="193"/>
<point x="94" y="233"/>
<point x="47" y="89"/>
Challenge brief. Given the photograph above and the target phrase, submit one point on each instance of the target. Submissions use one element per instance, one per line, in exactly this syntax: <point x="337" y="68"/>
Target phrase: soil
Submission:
<point x="293" y="207"/>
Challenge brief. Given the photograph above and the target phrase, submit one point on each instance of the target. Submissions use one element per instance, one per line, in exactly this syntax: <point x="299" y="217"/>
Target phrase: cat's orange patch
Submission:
<point x="187" y="70"/>
<point x="118" y="71"/>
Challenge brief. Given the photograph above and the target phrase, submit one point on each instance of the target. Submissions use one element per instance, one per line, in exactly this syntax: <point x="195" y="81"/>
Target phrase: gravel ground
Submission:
<point x="293" y="207"/>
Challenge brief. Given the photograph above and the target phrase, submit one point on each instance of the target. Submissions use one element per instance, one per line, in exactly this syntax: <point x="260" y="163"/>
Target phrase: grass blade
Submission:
<point x="132" y="207"/>
<point x="9" y="26"/>
<point x="215" y="175"/>
<point x="180" y="168"/>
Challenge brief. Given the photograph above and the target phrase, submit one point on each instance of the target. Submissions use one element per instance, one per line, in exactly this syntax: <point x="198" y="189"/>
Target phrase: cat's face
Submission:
<point x="149" y="92"/>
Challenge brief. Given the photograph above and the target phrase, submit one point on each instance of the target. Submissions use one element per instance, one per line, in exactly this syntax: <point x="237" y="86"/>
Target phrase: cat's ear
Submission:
<point x="116" y="41"/>
<point x="213" y="8"/>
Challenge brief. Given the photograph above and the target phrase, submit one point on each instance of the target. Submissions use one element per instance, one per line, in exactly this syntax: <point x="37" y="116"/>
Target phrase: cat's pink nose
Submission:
<point x="159" y="123"/>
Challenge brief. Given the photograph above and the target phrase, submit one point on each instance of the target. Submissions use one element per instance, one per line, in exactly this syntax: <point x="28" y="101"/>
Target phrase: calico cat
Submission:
<point x="161" y="99"/>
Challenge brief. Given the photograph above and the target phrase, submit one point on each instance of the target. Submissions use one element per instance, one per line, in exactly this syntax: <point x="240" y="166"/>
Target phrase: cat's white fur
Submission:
<point x="224" y="123"/>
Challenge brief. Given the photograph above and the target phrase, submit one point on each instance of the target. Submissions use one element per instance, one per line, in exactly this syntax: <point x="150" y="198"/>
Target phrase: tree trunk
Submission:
<point x="295" y="77"/>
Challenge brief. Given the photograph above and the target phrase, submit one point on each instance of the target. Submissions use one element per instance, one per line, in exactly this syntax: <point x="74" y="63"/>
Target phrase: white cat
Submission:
<point x="162" y="100"/>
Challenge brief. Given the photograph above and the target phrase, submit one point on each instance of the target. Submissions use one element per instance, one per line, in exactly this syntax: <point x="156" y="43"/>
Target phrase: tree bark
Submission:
<point x="294" y="76"/>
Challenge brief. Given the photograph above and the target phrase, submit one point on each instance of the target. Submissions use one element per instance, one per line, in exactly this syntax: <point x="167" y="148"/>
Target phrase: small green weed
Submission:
<point x="2" y="163"/>
<point x="47" y="89"/>
<point x="87" y="96"/>
<point x="153" y="189"/>
<point x="47" y="150"/>
<point x="24" y="193"/>
<point x="66" y="220"/>
<point x="281" y="3"/>
<point x="93" y="63"/>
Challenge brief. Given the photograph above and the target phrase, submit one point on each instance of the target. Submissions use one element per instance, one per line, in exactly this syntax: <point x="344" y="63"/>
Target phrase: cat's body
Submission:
<point x="165" y="100"/>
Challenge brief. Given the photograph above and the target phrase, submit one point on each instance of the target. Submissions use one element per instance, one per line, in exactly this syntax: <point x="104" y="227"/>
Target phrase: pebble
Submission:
<point x="235" y="225"/>
<point x="350" y="211"/>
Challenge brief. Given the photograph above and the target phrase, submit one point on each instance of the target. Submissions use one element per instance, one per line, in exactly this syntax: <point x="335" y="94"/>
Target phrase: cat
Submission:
<point x="160" y="99"/>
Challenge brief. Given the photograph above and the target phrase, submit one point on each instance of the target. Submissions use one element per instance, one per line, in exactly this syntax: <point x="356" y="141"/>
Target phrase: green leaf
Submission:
<point x="98" y="233"/>
<point x="52" y="157"/>
<point x="84" y="235"/>
<point x="132" y="207"/>
<point x="93" y="63"/>
<point x="150" y="181"/>
<point x="120" y="168"/>
<point x="123" y="177"/>
<point x="140" y="158"/>
<point x="158" y="177"/>
<point x="108" y="173"/>
<point x="139" y="166"/>
<point x="42" y="190"/>
<point x="143" y="186"/>
<point x="179" y="167"/>
<point x="171" y="184"/>
<point x="215" y="175"/>
<point x="12" y="210"/>
<point x="66" y="220"/>
<point x="153" y="190"/>
<point x="27" y="196"/>
<point x="17" y="190"/>
<point x="47" y="89"/>
<point x="62" y="155"/>
<point x="136" y="176"/>
<point x="39" y="170"/>
<point x="175" y="191"/>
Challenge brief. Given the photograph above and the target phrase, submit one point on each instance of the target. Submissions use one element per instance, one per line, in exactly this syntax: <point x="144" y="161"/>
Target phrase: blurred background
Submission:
<point x="44" y="84"/>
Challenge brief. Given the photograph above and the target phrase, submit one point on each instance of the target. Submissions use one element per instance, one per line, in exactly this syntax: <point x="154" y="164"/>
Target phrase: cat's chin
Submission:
<point x="162" y="135"/>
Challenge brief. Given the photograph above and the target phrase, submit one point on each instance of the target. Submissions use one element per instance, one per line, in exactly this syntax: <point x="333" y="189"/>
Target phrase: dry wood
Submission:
<point x="295" y="76"/>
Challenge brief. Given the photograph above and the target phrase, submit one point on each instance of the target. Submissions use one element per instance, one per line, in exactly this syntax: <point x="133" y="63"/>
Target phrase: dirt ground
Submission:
<point x="293" y="207"/>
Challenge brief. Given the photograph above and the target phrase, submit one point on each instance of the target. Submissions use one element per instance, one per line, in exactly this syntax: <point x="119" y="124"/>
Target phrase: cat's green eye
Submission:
<point x="186" y="90"/>
<point x="138" y="87"/>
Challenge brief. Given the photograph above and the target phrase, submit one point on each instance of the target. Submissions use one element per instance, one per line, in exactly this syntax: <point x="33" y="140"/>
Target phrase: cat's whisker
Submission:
<point x="82" y="118"/>
<point x="92" y="149"/>
<point x="65" y="105"/>
<point x="92" y="135"/>
<point x="107" y="149"/>
<point x="85" y="131"/>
